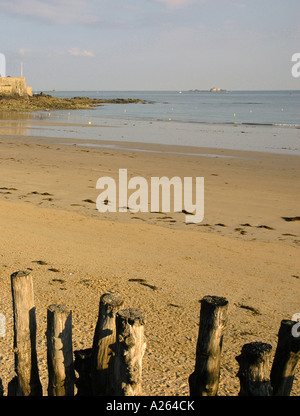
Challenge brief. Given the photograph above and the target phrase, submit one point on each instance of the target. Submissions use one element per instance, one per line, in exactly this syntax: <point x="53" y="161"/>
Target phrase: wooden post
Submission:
<point x="104" y="345"/>
<point x="27" y="382"/>
<point x="204" y="381"/>
<point x="130" y="349"/>
<point x="60" y="351"/>
<point x="287" y="356"/>
<point x="82" y="365"/>
<point x="254" y="368"/>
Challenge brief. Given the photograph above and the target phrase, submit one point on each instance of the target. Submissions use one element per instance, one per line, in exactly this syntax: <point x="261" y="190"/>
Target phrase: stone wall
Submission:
<point x="14" y="86"/>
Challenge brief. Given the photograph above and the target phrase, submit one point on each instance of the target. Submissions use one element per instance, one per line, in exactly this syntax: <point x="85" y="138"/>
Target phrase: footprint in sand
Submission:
<point x="289" y="235"/>
<point x="4" y="188"/>
<point x="38" y="193"/>
<point x="266" y="227"/>
<point x="249" y="308"/>
<point x="187" y="213"/>
<point x="144" y="283"/>
<point x="41" y="262"/>
<point x="291" y="218"/>
<point x="58" y="280"/>
<point x="90" y="201"/>
<point x="44" y="263"/>
<point x="241" y="230"/>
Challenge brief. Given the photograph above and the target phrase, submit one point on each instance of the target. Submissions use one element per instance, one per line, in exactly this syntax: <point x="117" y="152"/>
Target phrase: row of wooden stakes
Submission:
<point x="113" y="365"/>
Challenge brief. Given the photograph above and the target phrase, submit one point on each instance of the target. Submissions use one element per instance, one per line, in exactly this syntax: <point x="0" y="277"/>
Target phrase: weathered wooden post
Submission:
<point x="287" y="356"/>
<point x="254" y="369"/>
<point x="104" y="345"/>
<point x="130" y="349"/>
<point x="27" y="382"/>
<point x="60" y="351"/>
<point x="204" y="381"/>
<point x="82" y="365"/>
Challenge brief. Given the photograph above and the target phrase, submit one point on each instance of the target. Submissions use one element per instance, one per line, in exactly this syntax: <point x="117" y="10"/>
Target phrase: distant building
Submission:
<point x="217" y="90"/>
<point x="14" y="86"/>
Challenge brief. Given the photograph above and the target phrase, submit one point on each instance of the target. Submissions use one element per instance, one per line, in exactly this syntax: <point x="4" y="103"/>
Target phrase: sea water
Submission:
<point x="241" y="120"/>
<point x="248" y="107"/>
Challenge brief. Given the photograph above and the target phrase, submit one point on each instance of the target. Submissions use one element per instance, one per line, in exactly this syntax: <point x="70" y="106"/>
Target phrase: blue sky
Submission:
<point x="151" y="44"/>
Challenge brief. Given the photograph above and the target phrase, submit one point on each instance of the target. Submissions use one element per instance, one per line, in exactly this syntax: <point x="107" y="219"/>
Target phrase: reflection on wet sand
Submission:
<point x="42" y="124"/>
<point x="77" y="126"/>
<point x="11" y="123"/>
<point x="14" y="116"/>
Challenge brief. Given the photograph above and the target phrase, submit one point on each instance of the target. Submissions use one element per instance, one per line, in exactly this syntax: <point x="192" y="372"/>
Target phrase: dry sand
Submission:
<point x="243" y="250"/>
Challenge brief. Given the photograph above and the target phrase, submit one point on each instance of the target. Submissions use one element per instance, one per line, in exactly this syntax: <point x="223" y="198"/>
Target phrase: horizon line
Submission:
<point x="159" y="90"/>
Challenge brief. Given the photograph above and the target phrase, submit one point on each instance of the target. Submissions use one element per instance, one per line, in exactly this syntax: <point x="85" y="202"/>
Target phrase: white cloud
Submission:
<point x="77" y="52"/>
<point x="63" y="12"/>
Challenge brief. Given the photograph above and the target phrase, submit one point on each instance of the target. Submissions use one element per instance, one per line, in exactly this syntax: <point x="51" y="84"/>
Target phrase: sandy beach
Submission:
<point x="245" y="249"/>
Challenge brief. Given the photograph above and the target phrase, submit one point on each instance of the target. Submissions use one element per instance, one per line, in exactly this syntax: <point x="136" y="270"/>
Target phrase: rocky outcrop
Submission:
<point x="45" y="102"/>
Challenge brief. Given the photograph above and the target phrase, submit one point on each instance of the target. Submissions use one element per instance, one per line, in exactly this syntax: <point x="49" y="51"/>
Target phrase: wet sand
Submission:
<point x="245" y="249"/>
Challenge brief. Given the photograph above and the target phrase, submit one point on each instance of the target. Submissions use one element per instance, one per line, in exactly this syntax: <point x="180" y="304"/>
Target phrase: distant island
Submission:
<point x="217" y="90"/>
<point x="211" y="90"/>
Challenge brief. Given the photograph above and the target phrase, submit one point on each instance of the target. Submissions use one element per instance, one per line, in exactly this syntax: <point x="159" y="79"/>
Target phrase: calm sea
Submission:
<point x="264" y="121"/>
<point x="249" y="107"/>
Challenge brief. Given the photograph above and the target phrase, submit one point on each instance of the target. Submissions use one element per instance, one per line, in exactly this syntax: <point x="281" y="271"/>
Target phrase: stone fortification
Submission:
<point x="10" y="86"/>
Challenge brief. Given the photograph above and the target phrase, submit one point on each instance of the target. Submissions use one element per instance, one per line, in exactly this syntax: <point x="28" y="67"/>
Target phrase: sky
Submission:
<point x="135" y="45"/>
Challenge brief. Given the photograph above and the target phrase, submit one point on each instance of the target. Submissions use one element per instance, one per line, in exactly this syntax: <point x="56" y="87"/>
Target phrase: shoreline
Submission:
<point x="67" y="126"/>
